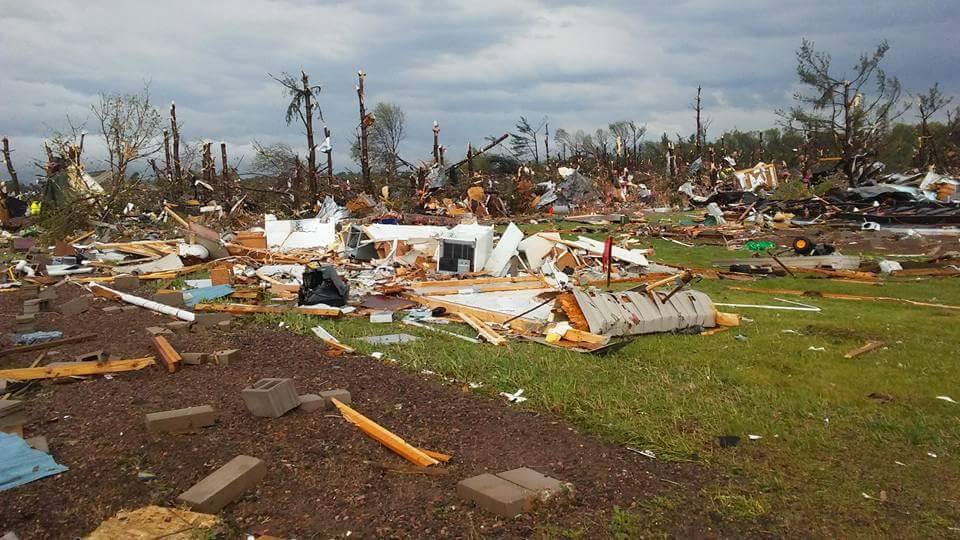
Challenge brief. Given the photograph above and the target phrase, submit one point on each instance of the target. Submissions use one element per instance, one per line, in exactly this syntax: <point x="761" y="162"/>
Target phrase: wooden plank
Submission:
<point x="580" y="336"/>
<point x="243" y="309"/>
<point x="385" y="437"/>
<point x="76" y="369"/>
<point x="452" y="307"/>
<point x="865" y="348"/>
<point x="49" y="344"/>
<point x="842" y="296"/>
<point x="169" y="356"/>
<point x="727" y="319"/>
<point x="481" y="327"/>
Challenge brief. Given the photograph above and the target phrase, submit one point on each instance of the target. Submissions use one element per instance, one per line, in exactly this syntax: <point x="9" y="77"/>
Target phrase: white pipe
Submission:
<point x="150" y="304"/>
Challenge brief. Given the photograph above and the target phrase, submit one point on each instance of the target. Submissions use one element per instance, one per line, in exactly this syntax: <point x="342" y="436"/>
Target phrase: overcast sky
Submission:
<point x="474" y="66"/>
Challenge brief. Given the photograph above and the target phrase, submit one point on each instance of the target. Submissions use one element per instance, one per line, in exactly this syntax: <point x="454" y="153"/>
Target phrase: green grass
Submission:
<point x="824" y="441"/>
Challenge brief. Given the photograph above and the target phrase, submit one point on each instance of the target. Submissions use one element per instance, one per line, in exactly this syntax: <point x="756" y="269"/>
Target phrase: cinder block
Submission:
<point x="496" y="495"/>
<point x="194" y="358"/>
<point x="271" y="397"/>
<point x="126" y="283"/>
<point x="224" y="357"/>
<point x="159" y="331"/>
<point x="181" y="420"/>
<point x="179" y="327"/>
<point x="340" y="394"/>
<point x="26" y="323"/>
<point x="112" y="310"/>
<point x="48" y="293"/>
<point x="534" y="481"/>
<point x="170" y="298"/>
<point x="39" y="443"/>
<point x="94" y="356"/>
<point x="224" y="485"/>
<point x="312" y="402"/>
<point x="32" y="306"/>
<point x="209" y="320"/>
<point x="76" y="306"/>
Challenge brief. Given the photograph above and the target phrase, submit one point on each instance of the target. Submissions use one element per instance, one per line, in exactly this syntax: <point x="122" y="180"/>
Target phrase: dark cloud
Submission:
<point x="473" y="66"/>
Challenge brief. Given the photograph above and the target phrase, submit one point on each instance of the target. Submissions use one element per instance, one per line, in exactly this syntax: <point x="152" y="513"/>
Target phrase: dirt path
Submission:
<point x="325" y="478"/>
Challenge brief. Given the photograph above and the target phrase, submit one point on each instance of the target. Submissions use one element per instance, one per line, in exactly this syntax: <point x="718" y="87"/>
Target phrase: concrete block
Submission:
<point x="209" y="320"/>
<point x="26" y="319"/>
<point x="126" y="283"/>
<point x="32" y="306"/>
<point x="194" y="358"/>
<point x="112" y="310"/>
<point x="312" y="402"/>
<point x="10" y="406"/>
<point x="340" y="394"/>
<point x="224" y="485"/>
<point x="180" y="420"/>
<point x="159" y="331"/>
<point x="534" y="481"/>
<point x="39" y="443"/>
<point x="170" y="298"/>
<point x="49" y="293"/>
<point x="224" y="357"/>
<point x="94" y="356"/>
<point x="29" y="292"/>
<point x="496" y="495"/>
<point x="179" y="327"/>
<point x="271" y="397"/>
<point x="76" y="306"/>
<point x="26" y="323"/>
<point x="129" y="307"/>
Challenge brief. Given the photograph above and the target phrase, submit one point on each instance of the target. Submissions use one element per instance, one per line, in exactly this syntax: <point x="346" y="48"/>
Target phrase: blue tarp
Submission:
<point x="20" y="464"/>
<point x="193" y="297"/>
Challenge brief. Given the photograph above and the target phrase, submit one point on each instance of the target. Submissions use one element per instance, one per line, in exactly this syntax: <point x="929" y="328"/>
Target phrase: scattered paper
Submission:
<point x="516" y="397"/>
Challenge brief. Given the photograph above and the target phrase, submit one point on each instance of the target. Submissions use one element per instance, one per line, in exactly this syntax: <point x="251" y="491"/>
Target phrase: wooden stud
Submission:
<point x="169" y="357"/>
<point x="74" y="369"/>
<point x="385" y="437"/>
<point x="481" y="327"/>
<point x="865" y="348"/>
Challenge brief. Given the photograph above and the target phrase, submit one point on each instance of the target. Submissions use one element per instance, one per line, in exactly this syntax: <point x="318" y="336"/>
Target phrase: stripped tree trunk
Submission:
<point x="225" y="171"/>
<point x="364" y="159"/>
<point x="436" y="142"/>
<point x="469" y="162"/>
<point x="546" y="143"/>
<point x="166" y="151"/>
<point x="699" y="137"/>
<point x="329" y="152"/>
<point x="14" y="181"/>
<point x="177" y="168"/>
<point x="311" y="147"/>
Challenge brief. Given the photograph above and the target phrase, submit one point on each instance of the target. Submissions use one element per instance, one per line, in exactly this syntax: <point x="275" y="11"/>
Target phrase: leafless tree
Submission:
<point x="928" y="105"/>
<point x="389" y="130"/>
<point x="304" y="99"/>
<point x="840" y="107"/>
<point x="524" y="142"/>
<point x="130" y="126"/>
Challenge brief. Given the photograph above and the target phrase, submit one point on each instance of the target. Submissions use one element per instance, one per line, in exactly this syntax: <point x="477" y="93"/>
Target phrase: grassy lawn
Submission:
<point x="847" y="445"/>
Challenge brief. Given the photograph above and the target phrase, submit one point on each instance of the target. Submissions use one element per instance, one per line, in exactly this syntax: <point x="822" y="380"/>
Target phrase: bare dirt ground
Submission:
<point x="325" y="478"/>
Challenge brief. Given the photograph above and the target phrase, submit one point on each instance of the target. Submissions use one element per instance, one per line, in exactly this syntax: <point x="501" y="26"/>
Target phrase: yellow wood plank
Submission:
<point x="76" y="369"/>
<point x="481" y="327"/>
<point x="384" y="436"/>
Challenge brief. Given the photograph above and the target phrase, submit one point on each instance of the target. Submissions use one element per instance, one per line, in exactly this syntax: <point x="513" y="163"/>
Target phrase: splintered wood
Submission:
<point x="865" y="348"/>
<point x="383" y="436"/>
<point x="74" y="369"/>
<point x="483" y="329"/>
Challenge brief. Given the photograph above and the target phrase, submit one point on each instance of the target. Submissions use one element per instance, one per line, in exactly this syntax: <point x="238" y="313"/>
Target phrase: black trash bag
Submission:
<point x="323" y="286"/>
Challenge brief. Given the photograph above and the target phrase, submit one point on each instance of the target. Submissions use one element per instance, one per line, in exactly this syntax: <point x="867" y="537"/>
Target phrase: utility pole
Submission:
<point x="364" y="159"/>
<point x="436" y="142"/>
<point x="14" y="181"/>
<point x="177" y="169"/>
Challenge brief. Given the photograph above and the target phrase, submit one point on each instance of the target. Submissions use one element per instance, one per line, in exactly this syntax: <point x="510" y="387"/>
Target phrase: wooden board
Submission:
<point x="483" y="329"/>
<point x="49" y="344"/>
<point x="452" y="307"/>
<point x="865" y="348"/>
<point x="169" y="356"/>
<point x="242" y="309"/>
<point x="444" y="291"/>
<point x="385" y="437"/>
<point x="76" y="369"/>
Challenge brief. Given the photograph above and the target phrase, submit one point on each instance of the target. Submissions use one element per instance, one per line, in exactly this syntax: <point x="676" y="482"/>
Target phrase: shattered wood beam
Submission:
<point x="481" y="327"/>
<point x="241" y="309"/>
<point x="385" y="437"/>
<point x="49" y="344"/>
<point x="75" y="369"/>
<point x="14" y="181"/>
<point x="865" y="348"/>
<point x="477" y="153"/>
